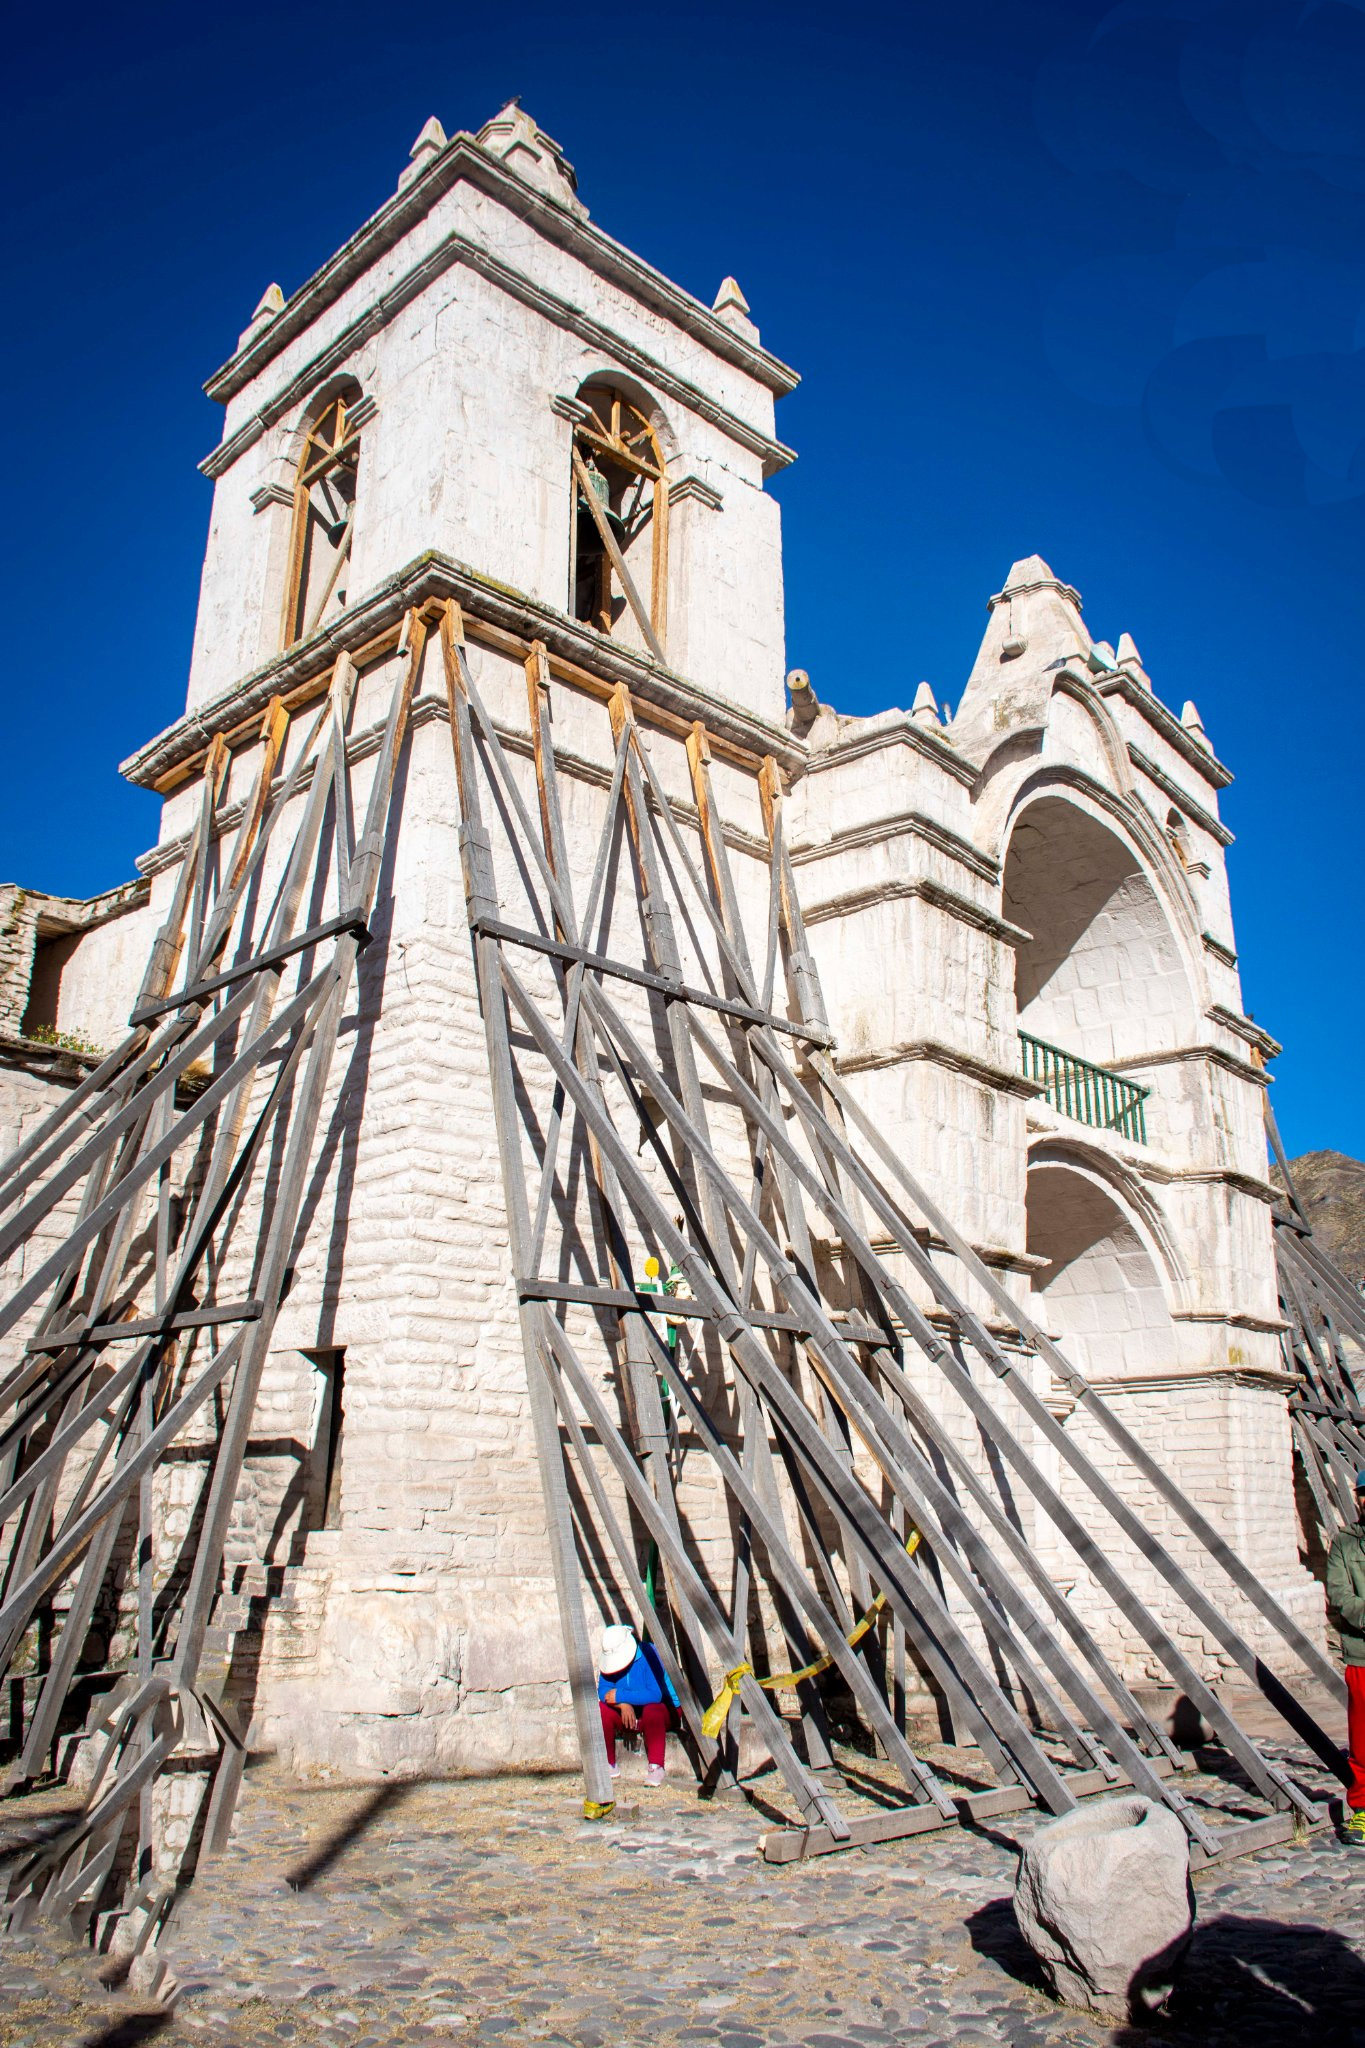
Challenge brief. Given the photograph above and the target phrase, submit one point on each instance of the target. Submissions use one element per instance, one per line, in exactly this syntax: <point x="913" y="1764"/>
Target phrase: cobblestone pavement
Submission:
<point x="461" y="1914"/>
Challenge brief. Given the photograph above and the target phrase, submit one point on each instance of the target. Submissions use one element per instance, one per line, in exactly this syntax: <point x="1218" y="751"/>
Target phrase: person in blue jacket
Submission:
<point x="634" y="1692"/>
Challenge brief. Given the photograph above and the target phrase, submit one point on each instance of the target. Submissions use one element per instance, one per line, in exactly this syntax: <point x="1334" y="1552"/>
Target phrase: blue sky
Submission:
<point x="1080" y="280"/>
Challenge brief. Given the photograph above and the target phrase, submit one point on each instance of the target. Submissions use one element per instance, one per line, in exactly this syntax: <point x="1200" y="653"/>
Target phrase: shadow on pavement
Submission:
<point x="127" y="2032"/>
<point x="1253" y="1983"/>
<point x="1262" y="1983"/>
<point x="369" y="1809"/>
<point x="995" y="1934"/>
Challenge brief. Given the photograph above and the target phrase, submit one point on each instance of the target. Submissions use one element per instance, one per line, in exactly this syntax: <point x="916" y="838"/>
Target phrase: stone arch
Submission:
<point x="1070" y="691"/>
<point x="344" y="384"/>
<point x="1104" y="973"/>
<point x="1106" y="1290"/>
<point x="645" y="401"/>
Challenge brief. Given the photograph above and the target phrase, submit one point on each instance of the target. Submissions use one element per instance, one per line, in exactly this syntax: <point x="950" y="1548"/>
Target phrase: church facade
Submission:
<point x="1020" y="915"/>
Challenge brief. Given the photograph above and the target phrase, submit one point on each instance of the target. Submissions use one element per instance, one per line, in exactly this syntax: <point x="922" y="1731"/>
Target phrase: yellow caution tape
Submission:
<point x="598" y="1809"/>
<point x="714" y="1719"/>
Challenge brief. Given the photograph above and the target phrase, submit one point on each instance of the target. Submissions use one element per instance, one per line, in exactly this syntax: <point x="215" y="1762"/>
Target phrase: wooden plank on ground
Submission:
<point x="795" y="1845"/>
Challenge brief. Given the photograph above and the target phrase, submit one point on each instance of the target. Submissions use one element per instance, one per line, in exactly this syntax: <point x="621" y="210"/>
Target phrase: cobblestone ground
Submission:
<point x="487" y="1913"/>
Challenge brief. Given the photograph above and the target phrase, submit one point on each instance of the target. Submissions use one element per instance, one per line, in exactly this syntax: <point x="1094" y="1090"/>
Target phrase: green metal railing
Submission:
<point x="1090" y="1094"/>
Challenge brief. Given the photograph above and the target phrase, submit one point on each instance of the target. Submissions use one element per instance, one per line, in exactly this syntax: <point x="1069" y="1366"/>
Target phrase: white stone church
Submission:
<point x="1020" y="915"/>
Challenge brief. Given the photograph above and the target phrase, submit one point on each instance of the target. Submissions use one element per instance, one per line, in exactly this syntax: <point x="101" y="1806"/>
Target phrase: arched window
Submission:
<point x="324" y="518"/>
<point x="619" y="566"/>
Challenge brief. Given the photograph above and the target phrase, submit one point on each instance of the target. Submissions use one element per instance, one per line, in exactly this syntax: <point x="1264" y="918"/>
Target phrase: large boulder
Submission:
<point x="1103" y="1899"/>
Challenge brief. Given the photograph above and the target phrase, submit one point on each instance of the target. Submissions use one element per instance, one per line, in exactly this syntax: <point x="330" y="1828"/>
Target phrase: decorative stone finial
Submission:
<point x="1035" y="630"/>
<point x="525" y="148"/>
<point x="924" y="711"/>
<point x="732" y="307"/>
<point x="1128" y="657"/>
<point x="271" y="303"/>
<point x="429" y="143"/>
<point x="1034" y="574"/>
<point x="1194" y="726"/>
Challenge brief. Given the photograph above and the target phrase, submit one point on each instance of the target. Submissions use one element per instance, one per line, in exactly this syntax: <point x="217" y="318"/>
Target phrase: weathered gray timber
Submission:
<point x="226" y="1174"/>
<point x="813" y="1448"/>
<point x="993" y="1581"/>
<point x="1324" y="1346"/>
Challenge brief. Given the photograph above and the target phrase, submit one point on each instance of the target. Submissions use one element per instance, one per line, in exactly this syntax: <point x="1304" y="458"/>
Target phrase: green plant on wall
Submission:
<point x="69" y="1041"/>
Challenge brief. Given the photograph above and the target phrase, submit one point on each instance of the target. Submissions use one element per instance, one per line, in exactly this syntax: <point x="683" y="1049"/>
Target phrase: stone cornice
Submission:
<point x="1218" y="949"/>
<point x="68" y="914"/>
<point x="1233" y="1319"/>
<point x="457" y="248"/>
<point x="1245" y="1028"/>
<point x="695" y="487"/>
<point x="1203" y="1376"/>
<point x="463" y="160"/>
<point x="899" y="888"/>
<point x="889" y="731"/>
<point x="1215" y="828"/>
<point x="67" y="1067"/>
<point x="1222" y="1177"/>
<point x="1000" y="1257"/>
<point x="1004" y="1079"/>
<point x="878" y="831"/>
<point x="50" y="1062"/>
<point x="1216" y="1056"/>
<point x="429" y="708"/>
<point x="1151" y="708"/>
<point x="302" y="670"/>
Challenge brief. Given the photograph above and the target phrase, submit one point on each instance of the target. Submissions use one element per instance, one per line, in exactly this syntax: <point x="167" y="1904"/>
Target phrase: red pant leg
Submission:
<point x="612" y="1724"/>
<point x="1355" y="1735"/>
<point x="655" y="1721"/>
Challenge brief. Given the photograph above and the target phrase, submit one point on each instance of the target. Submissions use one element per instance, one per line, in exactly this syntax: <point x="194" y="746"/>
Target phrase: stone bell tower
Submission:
<point x="481" y="396"/>
<point x="438" y="374"/>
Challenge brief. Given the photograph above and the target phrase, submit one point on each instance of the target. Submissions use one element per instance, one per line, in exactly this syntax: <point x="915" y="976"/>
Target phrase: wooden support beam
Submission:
<point x="674" y="989"/>
<point x="898" y="1824"/>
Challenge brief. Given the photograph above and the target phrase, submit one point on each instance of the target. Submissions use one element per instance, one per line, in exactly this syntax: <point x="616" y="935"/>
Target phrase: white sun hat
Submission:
<point x="618" y="1649"/>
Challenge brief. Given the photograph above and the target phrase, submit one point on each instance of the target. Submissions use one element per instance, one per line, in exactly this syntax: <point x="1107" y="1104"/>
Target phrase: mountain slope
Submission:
<point x="1331" y="1187"/>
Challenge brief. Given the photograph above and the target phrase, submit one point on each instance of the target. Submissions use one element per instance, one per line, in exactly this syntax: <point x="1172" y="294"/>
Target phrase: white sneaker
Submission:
<point x="654" y="1775"/>
<point x="615" y="1770"/>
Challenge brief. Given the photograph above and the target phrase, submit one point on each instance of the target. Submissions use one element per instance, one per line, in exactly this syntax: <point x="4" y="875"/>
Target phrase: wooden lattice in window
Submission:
<point x="620" y="524"/>
<point x="324" y="519"/>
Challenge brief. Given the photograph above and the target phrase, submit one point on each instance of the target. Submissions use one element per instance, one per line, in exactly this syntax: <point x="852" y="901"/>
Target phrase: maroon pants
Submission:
<point x="1355" y="1735"/>
<point x="654" y="1723"/>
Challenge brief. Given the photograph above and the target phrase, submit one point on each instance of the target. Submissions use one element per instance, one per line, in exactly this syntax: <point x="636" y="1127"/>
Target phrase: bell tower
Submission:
<point x="483" y="376"/>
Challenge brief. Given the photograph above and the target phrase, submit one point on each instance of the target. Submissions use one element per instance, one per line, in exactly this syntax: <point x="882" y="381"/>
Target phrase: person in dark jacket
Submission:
<point x="1346" y="1610"/>
<point x="634" y="1692"/>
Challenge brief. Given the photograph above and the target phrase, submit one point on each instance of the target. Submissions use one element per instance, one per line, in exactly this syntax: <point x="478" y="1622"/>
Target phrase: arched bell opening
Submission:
<point x="324" y="515"/>
<point x="1100" y="980"/>
<point x="619" y="570"/>
<point x="1101" y="1291"/>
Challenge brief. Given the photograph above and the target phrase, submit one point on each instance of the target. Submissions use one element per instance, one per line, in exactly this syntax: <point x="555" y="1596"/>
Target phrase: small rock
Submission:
<point x="1103" y="1898"/>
